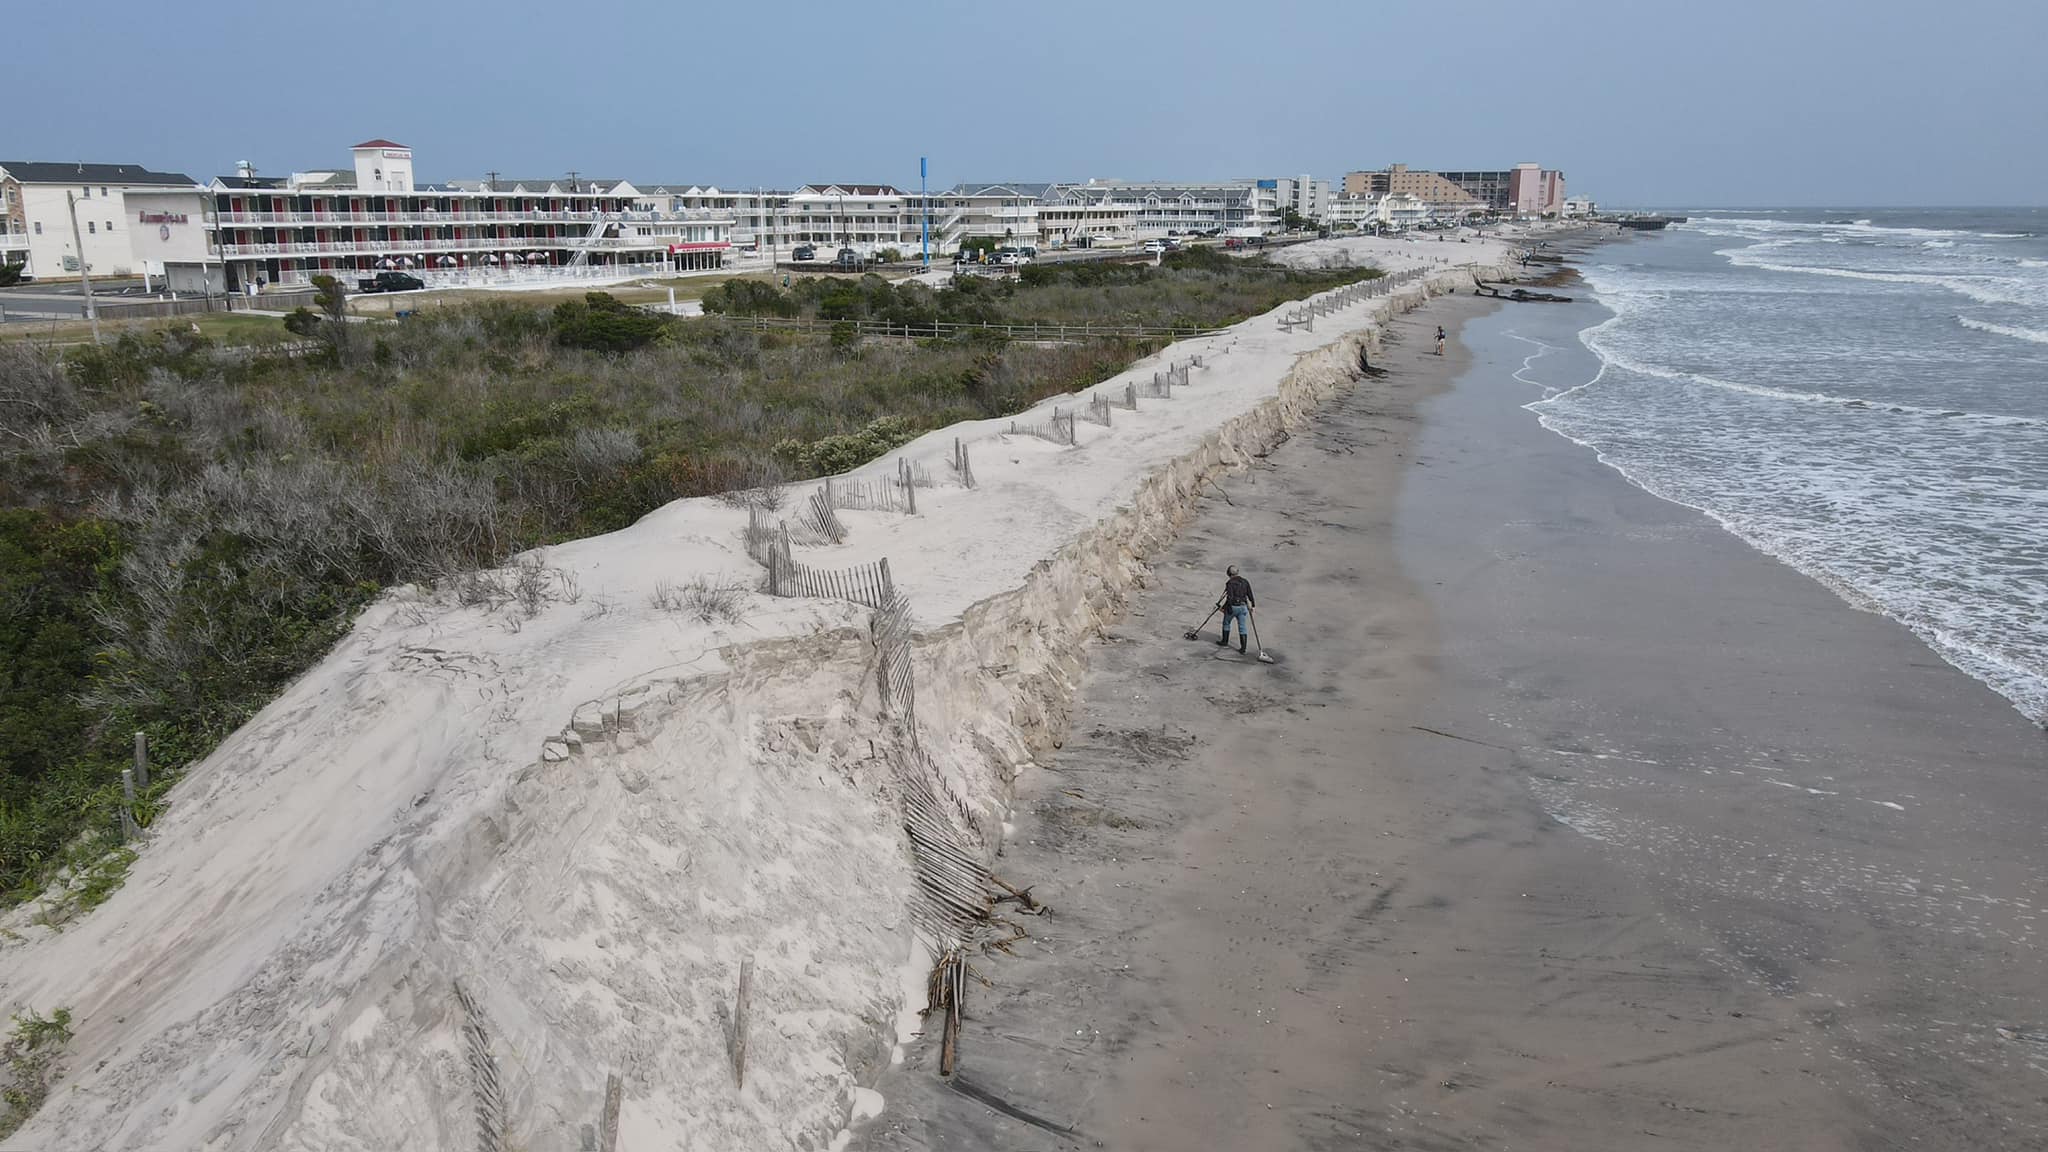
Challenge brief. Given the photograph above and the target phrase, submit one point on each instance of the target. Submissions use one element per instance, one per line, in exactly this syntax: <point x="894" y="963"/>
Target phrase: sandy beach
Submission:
<point x="1564" y="820"/>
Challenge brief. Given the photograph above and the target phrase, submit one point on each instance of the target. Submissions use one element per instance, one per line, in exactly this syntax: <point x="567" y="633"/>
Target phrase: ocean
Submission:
<point x="1860" y="393"/>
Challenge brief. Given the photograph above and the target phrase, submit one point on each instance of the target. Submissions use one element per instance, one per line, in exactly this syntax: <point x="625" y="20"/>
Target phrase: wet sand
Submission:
<point x="1564" y="820"/>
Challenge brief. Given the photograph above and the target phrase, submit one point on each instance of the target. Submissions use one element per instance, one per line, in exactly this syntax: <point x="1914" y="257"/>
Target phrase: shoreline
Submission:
<point x="1567" y="819"/>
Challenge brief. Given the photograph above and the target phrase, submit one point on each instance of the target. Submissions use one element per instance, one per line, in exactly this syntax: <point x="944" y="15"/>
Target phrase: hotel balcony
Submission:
<point x="455" y="244"/>
<point x="323" y="219"/>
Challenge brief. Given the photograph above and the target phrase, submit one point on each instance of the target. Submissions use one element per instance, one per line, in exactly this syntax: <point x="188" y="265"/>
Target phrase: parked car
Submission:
<point x="847" y="258"/>
<point x="1013" y="259"/>
<point x="1030" y="250"/>
<point x="1155" y="247"/>
<point x="390" y="282"/>
<point x="804" y="252"/>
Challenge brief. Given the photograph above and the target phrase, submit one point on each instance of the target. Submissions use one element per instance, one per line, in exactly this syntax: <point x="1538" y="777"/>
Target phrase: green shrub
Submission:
<point x="600" y="323"/>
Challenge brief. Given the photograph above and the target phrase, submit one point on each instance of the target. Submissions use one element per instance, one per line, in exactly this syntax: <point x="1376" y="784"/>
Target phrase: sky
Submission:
<point x="1653" y="103"/>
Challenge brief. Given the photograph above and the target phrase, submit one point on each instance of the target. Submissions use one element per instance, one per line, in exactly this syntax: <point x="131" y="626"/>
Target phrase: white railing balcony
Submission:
<point x="450" y="244"/>
<point x="436" y="218"/>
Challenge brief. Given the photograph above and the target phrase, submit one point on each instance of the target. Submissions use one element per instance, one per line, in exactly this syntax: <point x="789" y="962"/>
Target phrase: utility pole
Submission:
<point x="923" y="171"/>
<point x="92" y="311"/>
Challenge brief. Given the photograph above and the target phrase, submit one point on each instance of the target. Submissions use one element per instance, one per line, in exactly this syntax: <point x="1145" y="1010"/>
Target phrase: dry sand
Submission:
<point x="1564" y="821"/>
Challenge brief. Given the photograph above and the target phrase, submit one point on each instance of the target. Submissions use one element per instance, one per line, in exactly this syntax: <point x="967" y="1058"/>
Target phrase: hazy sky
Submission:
<point x="1644" y="102"/>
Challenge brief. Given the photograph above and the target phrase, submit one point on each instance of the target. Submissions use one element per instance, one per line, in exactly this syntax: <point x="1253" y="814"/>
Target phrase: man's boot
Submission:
<point x="1223" y="640"/>
<point x="1240" y="643"/>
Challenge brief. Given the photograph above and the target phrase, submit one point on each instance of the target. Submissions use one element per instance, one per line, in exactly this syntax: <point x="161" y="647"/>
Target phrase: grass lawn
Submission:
<point x="221" y="327"/>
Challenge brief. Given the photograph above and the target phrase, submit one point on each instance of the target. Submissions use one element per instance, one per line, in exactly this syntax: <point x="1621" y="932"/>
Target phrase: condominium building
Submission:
<point x="1006" y="213"/>
<point x="283" y="232"/>
<point x="1354" y="212"/>
<point x="1432" y="188"/>
<point x="38" y="199"/>
<point x="1536" y="191"/>
<point x="1067" y="220"/>
<point x="1231" y="205"/>
<point x="1524" y="190"/>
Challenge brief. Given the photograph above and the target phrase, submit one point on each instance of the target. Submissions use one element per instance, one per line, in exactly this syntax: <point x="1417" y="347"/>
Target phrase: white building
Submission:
<point x="1400" y="210"/>
<point x="1578" y="207"/>
<point x="273" y="232"/>
<point x="169" y="241"/>
<point x="38" y="232"/>
<point x="1005" y="213"/>
<point x="1308" y="196"/>
<point x="1068" y="220"/>
<point x="1361" y="213"/>
<point x="1230" y="205"/>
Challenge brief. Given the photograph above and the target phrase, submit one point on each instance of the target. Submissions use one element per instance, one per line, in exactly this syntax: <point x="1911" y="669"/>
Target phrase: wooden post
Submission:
<point x="128" y="829"/>
<point x="141" y="761"/>
<point x="739" y="1024"/>
<point x="608" y="1125"/>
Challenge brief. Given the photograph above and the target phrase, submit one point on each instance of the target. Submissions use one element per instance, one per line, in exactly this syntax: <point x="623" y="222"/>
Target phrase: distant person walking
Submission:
<point x="1237" y="604"/>
<point x="1439" y="339"/>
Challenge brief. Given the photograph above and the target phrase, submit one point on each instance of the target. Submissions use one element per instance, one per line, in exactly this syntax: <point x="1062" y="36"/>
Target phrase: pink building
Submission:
<point x="1536" y="191"/>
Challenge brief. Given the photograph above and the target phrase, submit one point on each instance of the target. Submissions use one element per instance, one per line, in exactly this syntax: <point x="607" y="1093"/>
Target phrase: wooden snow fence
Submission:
<point x="862" y="584"/>
<point x="963" y="468"/>
<point x="1059" y="431"/>
<point x="819" y="515"/>
<point x="1098" y="408"/>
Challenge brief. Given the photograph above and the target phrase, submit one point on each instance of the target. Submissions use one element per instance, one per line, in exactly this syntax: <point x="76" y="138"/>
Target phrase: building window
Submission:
<point x="92" y="228"/>
<point x="85" y="193"/>
<point x="39" y="227"/>
<point x="103" y="189"/>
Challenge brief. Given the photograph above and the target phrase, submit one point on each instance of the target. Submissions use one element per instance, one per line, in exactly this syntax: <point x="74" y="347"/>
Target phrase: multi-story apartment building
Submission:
<point x="1536" y="191"/>
<point x="1068" y="220"/>
<point x="285" y="231"/>
<point x="1354" y="212"/>
<point x="1524" y="190"/>
<point x="1231" y="205"/>
<point x="1431" y="188"/>
<point x="38" y="230"/>
<point x="1006" y="213"/>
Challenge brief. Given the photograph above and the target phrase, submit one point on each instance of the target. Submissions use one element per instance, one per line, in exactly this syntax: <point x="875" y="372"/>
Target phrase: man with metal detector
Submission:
<point x="1237" y="604"/>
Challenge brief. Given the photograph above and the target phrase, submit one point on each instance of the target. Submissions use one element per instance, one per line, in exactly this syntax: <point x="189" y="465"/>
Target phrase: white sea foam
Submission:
<point x="2004" y="291"/>
<point x="2032" y="335"/>
<point x="1935" y="524"/>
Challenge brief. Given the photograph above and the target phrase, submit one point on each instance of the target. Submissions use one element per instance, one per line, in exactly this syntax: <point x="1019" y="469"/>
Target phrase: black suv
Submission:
<point x="390" y="282"/>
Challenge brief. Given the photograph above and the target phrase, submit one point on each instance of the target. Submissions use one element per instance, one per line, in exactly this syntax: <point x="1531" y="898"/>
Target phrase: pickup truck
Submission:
<point x="390" y="282"/>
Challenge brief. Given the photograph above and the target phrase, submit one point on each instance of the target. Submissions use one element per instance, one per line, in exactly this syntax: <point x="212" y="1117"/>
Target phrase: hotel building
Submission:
<point x="37" y="229"/>
<point x="347" y="223"/>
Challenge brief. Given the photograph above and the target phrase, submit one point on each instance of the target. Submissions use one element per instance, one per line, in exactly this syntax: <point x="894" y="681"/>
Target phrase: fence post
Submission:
<point x="608" y="1124"/>
<point x="142" y="761"/>
<point x="128" y="829"/>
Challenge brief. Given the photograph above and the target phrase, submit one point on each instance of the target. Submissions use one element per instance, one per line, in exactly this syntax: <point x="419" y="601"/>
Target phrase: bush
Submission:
<point x="302" y="321"/>
<point x="834" y="454"/>
<point x="31" y="1053"/>
<point x="602" y="324"/>
<point x="10" y="274"/>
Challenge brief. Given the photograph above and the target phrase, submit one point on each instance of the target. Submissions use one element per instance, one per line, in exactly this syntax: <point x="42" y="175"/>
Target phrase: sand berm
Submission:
<point x="488" y="855"/>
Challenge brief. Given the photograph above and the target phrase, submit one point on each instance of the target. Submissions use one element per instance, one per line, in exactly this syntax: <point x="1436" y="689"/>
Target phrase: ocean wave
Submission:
<point x="2024" y="685"/>
<point x="1862" y="226"/>
<point x="1937" y="244"/>
<point x="2032" y="335"/>
<point x="1982" y="293"/>
<point x="1597" y="340"/>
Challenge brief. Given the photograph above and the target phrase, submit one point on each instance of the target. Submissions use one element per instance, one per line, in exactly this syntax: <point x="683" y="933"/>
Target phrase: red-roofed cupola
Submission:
<point x="377" y="144"/>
